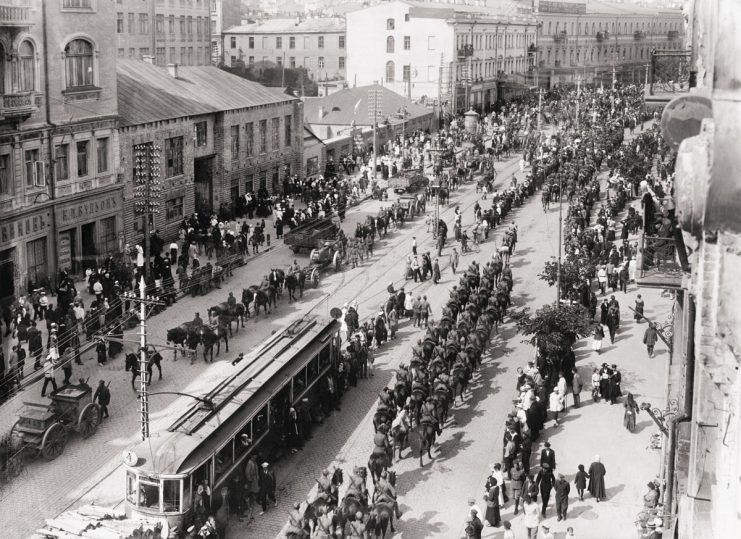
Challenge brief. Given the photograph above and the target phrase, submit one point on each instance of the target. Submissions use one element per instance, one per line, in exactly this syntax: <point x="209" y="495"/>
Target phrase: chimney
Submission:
<point x="172" y="70"/>
<point x="149" y="59"/>
<point x="321" y="112"/>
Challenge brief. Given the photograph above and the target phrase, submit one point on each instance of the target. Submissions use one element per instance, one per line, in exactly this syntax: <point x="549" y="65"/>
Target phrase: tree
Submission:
<point x="574" y="271"/>
<point x="553" y="330"/>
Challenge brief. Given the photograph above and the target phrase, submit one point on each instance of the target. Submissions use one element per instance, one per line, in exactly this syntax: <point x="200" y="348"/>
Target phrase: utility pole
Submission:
<point x="144" y="301"/>
<point x="560" y="227"/>
<point x="147" y="189"/>
<point x="578" y="95"/>
<point x="375" y="100"/>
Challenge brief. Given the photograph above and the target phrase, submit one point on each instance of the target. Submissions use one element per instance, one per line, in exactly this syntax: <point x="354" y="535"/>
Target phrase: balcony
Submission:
<point x="638" y="35"/>
<point x="602" y="35"/>
<point x="15" y="15"/>
<point x="465" y="51"/>
<point x="21" y="104"/>
<point x="560" y="37"/>
<point x="658" y="263"/>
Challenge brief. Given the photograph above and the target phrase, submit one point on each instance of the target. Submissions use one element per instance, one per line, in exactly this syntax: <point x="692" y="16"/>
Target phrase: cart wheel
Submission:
<point x="315" y="277"/>
<point x="55" y="438"/>
<point x="337" y="262"/>
<point x="88" y="423"/>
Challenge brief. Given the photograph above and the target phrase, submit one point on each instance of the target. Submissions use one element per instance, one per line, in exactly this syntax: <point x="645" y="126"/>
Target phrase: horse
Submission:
<point x="178" y="337"/>
<point x="260" y="298"/>
<point x="209" y="338"/>
<point x="132" y="364"/>
<point x="459" y="381"/>
<point x="290" y="284"/>
<point x="378" y="462"/>
<point x="427" y="434"/>
<point x="400" y="432"/>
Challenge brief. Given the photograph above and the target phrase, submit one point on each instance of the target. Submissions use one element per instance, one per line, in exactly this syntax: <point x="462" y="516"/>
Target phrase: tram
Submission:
<point x="242" y="415"/>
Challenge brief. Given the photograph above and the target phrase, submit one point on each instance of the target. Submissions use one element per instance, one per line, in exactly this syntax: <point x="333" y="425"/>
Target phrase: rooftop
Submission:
<point x="492" y="9"/>
<point x="291" y="26"/>
<point x="351" y="105"/>
<point x="148" y="93"/>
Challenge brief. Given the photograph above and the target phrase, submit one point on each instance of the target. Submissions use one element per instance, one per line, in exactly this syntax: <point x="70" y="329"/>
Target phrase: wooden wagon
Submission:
<point x="408" y="182"/>
<point x="306" y="235"/>
<point x="44" y="428"/>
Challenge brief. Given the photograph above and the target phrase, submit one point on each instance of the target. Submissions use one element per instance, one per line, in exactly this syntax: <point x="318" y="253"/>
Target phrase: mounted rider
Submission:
<point x="386" y="492"/>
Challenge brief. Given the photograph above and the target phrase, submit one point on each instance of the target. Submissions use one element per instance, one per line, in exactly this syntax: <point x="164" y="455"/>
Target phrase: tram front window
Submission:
<point x="171" y="495"/>
<point x="149" y="493"/>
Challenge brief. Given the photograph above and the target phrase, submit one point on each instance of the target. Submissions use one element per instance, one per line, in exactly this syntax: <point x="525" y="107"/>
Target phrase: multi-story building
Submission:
<point x="60" y="196"/>
<point x="217" y="137"/>
<point x="173" y="32"/>
<point x="315" y="44"/>
<point x="592" y="39"/>
<point x="459" y="55"/>
<point x="224" y="14"/>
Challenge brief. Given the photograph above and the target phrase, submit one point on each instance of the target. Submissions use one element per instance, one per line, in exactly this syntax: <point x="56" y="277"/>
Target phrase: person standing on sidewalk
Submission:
<point x="417" y="310"/>
<point x="518" y="475"/>
<point x="532" y="517"/>
<point x="597" y="337"/>
<point x="638" y="316"/>
<point x="580" y="480"/>
<point x="548" y="456"/>
<point x="436" y="271"/>
<point x="103" y="397"/>
<point x="526" y="447"/>
<point x="454" y="259"/>
<point x="545" y="480"/>
<point x="415" y="270"/>
<point x="597" y="474"/>
<point x="267" y="487"/>
<point x="576" y="387"/>
<point x="562" y="489"/>
<point x="425" y="310"/>
<point x="48" y="375"/>
<point x="650" y="336"/>
<point x="414" y="245"/>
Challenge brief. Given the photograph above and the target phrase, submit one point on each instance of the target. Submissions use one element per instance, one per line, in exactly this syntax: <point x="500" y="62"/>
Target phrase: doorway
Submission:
<point x="7" y="276"/>
<point x="89" y="253"/>
<point x="203" y="184"/>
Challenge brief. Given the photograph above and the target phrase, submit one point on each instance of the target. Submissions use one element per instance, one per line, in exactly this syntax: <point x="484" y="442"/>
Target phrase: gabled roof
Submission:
<point x="148" y="93"/>
<point x="309" y="133"/>
<point x="290" y="26"/>
<point x="351" y="104"/>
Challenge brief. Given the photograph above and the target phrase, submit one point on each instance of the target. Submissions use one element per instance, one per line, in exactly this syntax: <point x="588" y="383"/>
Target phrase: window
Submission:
<point x="233" y="42"/>
<point x="276" y="180"/>
<point x="275" y="134"/>
<point x="102" y="154"/>
<point x="321" y="62"/>
<point x="173" y="58"/>
<point x="278" y="42"/>
<point x="201" y="133"/>
<point x="161" y="56"/>
<point x="407" y="73"/>
<point x="171" y="495"/>
<point x="198" y="27"/>
<point x="174" y="208"/>
<point x="190" y="56"/>
<point x="287" y="133"/>
<point x="108" y="241"/>
<point x="144" y="51"/>
<point x="159" y="24"/>
<point x="132" y="24"/>
<point x="251" y="60"/>
<point x="82" y="157"/>
<point x="342" y="42"/>
<point x="292" y="62"/>
<point x="85" y="4"/>
<point x="279" y="61"/>
<point x="390" y="44"/>
<point x="249" y="183"/>
<point x="36" y="260"/>
<point x="132" y="52"/>
<point x="190" y="26"/>
<point x="143" y="23"/>
<point x="26" y="67"/>
<point x="119" y="23"/>
<point x="78" y="55"/>
<point x="389" y="71"/>
<point x="263" y="136"/>
<point x="6" y="179"/>
<point x="292" y="42"/>
<point x="121" y="52"/>
<point x="173" y="156"/>
<point x="182" y="25"/>
<point x="171" y="24"/>
<point x="312" y="166"/>
<point x="61" y="165"/>
<point x="249" y="136"/>
<point x="342" y="62"/>
<point x="31" y="159"/>
<point x="390" y="24"/>
<point x="251" y="42"/>
<point x="407" y="42"/>
<point x="321" y="42"/>
<point x="235" y="142"/>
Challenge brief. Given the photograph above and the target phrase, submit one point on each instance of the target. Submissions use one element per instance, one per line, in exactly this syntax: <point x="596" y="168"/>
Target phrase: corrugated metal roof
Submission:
<point x="345" y="106"/>
<point x="147" y="93"/>
<point x="290" y="26"/>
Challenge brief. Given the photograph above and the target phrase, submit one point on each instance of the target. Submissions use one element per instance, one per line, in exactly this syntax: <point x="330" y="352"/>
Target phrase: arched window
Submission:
<point x="390" y="44"/>
<point x="390" y="71"/>
<point x="572" y="27"/>
<point x="390" y="24"/>
<point x="593" y="28"/>
<point x="578" y="28"/>
<point x="591" y="55"/>
<point x="557" y="23"/>
<point x="78" y="63"/>
<point x="26" y="67"/>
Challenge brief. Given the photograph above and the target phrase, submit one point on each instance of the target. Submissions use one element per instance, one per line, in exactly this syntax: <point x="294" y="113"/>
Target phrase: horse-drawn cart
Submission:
<point x="408" y="182"/>
<point x="412" y="205"/>
<point x="44" y="429"/>
<point x="306" y="235"/>
<point x="327" y="252"/>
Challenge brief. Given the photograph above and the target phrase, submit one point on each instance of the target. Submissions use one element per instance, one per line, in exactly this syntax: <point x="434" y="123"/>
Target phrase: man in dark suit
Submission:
<point x="525" y="450"/>
<point x="266" y="480"/>
<point x="548" y="456"/>
<point x="545" y="481"/>
<point x="562" y="489"/>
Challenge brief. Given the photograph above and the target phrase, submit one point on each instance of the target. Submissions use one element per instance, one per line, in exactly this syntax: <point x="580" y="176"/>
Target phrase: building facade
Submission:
<point x="458" y="55"/>
<point x="60" y="195"/>
<point x="173" y="32"/>
<point x="316" y="44"/>
<point x="224" y="14"/>
<point x="592" y="40"/>
<point x="215" y="137"/>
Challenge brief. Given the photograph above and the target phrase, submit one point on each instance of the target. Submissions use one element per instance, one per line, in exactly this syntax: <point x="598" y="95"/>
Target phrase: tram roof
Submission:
<point x="201" y="429"/>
